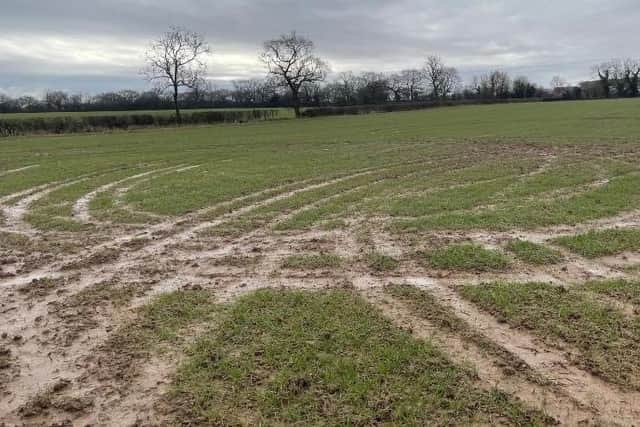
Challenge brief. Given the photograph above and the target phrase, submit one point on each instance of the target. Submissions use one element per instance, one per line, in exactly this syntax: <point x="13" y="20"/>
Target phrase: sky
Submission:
<point x="91" y="46"/>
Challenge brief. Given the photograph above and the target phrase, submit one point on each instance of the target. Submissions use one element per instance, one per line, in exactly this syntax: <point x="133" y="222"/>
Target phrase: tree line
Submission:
<point x="296" y="77"/>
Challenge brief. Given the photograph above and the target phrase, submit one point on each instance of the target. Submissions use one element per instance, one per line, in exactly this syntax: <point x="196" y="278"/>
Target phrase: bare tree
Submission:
<point x="558" y="82"/>
<point x="632" y="76"/>
<point x="413" y="80"/>
<point x="395" y="83"/>
<point x="347" y="85"/>
<point x="56" y="100"/>
<point x="291" y="59"/>
<point x="603" y="71"/>
<point x="177" y="60"/>
<point x="442" y="80"/>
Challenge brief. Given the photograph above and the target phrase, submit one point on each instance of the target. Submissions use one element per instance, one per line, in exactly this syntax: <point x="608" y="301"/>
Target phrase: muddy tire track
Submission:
<point x="14" y="214"/>
<point x="611" y="404"/>
<point x="462" y="352"/>
<point x="81" y="207"/>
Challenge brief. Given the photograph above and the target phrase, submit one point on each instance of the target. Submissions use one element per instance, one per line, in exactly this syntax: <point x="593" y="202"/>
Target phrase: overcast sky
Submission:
<point x="97" y="45"/>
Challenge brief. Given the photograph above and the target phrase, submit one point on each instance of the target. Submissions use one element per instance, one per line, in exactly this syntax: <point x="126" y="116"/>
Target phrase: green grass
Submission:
<point x="598" y="243"/>
<point x="312" y="261"/>
<point x="622" y="290"/>
<point x="608" y="341"/>
<point x="424" y="305"/>
<point x="495" y="157"/>
<point x="466" y="257"/>
<point x="160" y="325"/>
<point x="328" y="358"/>
<point x="533" y="253"/>
<point x="381" y="262"/>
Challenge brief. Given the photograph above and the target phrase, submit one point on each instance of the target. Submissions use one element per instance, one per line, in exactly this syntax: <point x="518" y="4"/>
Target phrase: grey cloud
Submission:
<point x="103" y="40"/>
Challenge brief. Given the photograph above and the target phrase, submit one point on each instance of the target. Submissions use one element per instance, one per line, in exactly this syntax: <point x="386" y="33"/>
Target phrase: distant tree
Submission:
<point x="395" y="84"/>
<point x="603" y="72"/>
<point x="373" y="88"/>
<point x="55" y="100"/>
<point x="291" y="59"/>
<point x="177" y="60"/>
<point x="496" y="84"/>
<point x="522" y="88"/>
<point x="558" y="82"/>
<point x="413" y="81"/>
<point x="442" y="80"/>
<point x="345" y="88"/>
<point x="631" y="69"/>
<point x="618" y="81"/>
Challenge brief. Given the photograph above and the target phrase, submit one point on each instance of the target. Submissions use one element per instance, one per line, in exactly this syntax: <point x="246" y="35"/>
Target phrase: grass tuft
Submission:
<point x="466" y="257"/>
<point x="533" y="253"/>
<point x="312" y="261"/>
<point x="599" y="243"/>
<point x="380" y="262"/>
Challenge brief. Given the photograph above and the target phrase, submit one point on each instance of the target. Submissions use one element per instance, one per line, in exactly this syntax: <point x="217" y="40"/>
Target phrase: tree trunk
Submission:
<point x="296" y="103"/>
<point x="177" y="106"/>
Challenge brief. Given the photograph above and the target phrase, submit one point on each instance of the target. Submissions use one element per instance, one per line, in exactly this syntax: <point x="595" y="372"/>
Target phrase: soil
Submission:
<point x="58" y="317"/>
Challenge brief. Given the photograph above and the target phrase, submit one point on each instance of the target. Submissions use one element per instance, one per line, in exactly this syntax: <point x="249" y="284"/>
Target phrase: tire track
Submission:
<point x="81" y="207"/>
<point x="487" y="367"/>
<point x="611" y="404"/>
<point x="22" y="169"/>
<point x="14" y="214"/>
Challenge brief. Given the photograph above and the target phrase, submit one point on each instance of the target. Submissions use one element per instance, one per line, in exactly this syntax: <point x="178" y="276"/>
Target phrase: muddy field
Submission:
<point x="515" y="261"/>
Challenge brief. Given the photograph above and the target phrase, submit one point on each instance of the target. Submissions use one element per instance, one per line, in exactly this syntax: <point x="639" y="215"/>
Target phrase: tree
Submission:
<point x="442" y="80"/>
<point x="631" y="76"/>
<point x="177" y="60"/>
<point x="373" y="88"/>
<point x="558" y="82"/>
<point x="413" y="80"/>
<point x="603" y="71"/>
<point x="291" y="59"/>
<point x="56" y="100"/>
<point x="395" y="84"/>
<point x="522" y="88"/>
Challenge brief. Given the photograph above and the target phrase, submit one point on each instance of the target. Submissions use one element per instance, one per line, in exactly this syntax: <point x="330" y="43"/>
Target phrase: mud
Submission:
<point x="59" y="321"/>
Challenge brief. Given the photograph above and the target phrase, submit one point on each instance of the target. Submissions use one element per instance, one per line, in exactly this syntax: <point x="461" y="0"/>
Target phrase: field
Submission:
<point x="463" y="265"/>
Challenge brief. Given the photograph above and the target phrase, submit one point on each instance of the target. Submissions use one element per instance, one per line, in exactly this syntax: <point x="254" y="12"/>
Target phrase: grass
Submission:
<point x="466" y="257"/>
<point x="599" y="243"/>
<point x="608" y="342"/>
<point x="159" y="325"/>
<point x="381" y="262"/>
<point x="424" y="305"/>
<point x="483" y="167"/>
<point x="533" y="253"/>
<point x="312" y="261"/>
<point x="622" y="290"/>
<point x="327" y="358"/>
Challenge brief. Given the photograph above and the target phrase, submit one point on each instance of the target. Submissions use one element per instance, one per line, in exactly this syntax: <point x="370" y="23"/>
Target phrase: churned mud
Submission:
<point x="64" y="357"/>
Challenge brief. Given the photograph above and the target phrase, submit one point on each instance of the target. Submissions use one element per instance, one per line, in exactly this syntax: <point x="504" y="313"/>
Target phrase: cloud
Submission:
<point x="94" y="45"/>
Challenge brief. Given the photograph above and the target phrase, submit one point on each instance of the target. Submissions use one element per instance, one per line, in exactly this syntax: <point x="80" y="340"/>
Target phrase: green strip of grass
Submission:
<point x="533" y="253"/>
<point x="426" y="306"/>
<point x="608" y="341"/>
<point x="312" y="261"/>
<point x="598" y="243"/>
<point x="622" y="290"/>
<point x="466" y="257"/>
<point x="380" y="262"/>
<point x="328" y="358"/>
